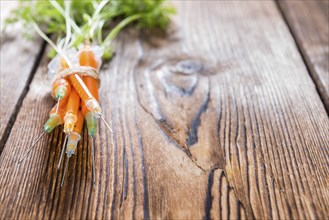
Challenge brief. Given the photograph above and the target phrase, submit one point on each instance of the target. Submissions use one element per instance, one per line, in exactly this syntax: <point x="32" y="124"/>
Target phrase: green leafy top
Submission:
<point x="73" y="22"/>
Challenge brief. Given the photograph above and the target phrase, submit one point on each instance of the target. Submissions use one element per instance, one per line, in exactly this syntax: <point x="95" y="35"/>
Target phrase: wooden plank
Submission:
<point x="211" y="121"/>
<point x="309" y="23"/>
<point x="15" y="52"/>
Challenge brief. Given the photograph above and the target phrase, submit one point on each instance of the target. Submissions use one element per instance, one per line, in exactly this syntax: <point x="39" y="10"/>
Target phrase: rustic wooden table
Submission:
<point x="225" y="117"/>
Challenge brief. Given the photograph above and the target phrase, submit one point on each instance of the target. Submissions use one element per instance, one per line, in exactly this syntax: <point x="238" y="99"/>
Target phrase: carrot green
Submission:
<point x="74" y="22"/>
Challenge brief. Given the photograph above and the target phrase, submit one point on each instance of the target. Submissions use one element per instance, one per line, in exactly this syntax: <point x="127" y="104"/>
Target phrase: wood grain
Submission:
<point x="211" y="120"/>
<point x="18" y="62"/>
<point x="309" y="23"/>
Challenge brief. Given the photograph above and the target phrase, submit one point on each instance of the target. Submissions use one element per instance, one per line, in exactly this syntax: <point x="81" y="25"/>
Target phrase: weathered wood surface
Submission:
<point x="308" y="21"/>
<point x="18" y="61"/>
<point x="218" y="119"/>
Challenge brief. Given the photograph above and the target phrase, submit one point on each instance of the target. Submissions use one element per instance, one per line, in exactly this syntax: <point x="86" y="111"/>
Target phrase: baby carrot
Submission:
<point x="61" y="87"/>
<point x="72" y="143"/>
<point x="87" y="58"/>
<point x="75" y="136"/>
<point x="71" y="111"/>
<point x="56" y="117"/>
<point x="85" y="95"/>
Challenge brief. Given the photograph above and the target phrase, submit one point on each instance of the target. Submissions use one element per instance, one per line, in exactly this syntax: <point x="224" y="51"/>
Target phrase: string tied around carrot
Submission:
<point x="81" y="70"/>
<point x="90" y="27"/>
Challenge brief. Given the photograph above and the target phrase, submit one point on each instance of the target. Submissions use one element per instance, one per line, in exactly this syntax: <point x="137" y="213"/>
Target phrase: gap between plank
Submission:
<point x="19" y="103"/>
<point x="302" y="54"/>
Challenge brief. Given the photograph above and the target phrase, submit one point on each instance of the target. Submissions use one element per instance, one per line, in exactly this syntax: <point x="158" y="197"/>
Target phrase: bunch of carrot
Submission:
<point x="73" y="23"/>
<point x="74" y="93"/>
<point x="77" y="100"/>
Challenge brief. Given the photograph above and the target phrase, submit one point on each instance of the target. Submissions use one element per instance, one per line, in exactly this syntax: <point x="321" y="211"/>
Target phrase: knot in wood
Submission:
<point x="188" y="67"/>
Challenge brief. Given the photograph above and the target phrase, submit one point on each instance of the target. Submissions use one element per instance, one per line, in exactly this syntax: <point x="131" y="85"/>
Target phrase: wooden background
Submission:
<point x="223" y="117"/>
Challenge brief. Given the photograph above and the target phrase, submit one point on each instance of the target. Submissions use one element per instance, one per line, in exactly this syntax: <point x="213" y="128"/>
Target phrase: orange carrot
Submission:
<point x="71" y="111"/>
<point x="80" y="87"/>
<point x="75" y="136"/>
<point x="56" y="117"/>
<point x="61" y="87"/>
<point x="85" y="95"/>
<point x="87" y="58"/>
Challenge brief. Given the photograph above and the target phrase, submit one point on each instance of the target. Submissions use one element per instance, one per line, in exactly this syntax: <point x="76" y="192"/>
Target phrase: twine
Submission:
<point x="81" y="70"/>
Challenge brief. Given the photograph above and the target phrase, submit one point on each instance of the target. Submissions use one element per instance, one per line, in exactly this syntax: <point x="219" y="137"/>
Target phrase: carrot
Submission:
<point x="85" y="95"/>
<point x="75" y="136"/>
<point x="61" y="87"/>
<point x="72" y="142"/>
<point x="71" y="111"/>
<point x="56" y="117"/>
<point x="87" y="58"/>
<point x="80" y="87"/>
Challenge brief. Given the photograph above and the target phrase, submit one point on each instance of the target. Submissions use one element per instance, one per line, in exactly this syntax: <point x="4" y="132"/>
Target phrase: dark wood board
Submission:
<point x="216" y="119"/>
<point x="309" y="23"/>
<point x="19" y="58"/>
